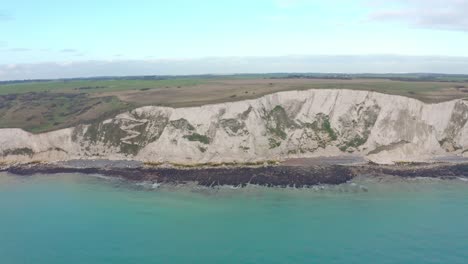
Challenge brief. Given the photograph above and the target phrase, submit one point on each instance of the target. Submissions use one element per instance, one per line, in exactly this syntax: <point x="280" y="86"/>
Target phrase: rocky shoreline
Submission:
<point x="273" y="176"/>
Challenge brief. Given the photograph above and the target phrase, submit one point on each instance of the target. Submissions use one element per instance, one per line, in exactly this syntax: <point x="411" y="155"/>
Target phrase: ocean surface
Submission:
<point x="82" y="219"/>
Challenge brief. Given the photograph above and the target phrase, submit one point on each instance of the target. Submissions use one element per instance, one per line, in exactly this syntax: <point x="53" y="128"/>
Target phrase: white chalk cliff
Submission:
<point x="383" y="128"/>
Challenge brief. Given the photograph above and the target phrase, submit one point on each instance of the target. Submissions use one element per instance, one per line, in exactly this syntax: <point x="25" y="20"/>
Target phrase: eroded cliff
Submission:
<point x="383" y="128"/>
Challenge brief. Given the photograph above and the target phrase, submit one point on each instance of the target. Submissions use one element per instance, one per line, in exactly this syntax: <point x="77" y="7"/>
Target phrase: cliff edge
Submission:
<point x="294" y="124"/>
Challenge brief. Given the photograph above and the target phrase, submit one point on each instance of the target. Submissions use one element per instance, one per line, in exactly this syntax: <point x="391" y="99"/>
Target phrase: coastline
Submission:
<point x="281" y="175"/>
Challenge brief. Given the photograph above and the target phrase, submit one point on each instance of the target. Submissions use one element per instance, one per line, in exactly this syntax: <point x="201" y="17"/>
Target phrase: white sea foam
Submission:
<point x="426" y="179"/>
<point x="100" y="176"/>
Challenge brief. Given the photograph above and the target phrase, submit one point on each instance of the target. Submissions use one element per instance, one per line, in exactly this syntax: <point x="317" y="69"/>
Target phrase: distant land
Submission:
<point x="392" y="76"/>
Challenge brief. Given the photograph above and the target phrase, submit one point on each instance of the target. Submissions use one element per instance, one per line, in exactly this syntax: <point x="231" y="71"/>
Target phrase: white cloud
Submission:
<point x="19" y="49"/>
<point x="10" y="66"/>
<point x="69" y="50"/>
<point x="432" y="14"/>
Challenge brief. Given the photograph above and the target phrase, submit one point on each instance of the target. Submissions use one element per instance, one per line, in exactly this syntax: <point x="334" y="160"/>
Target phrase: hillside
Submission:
<point x="41" y="106"/>
<point x="295" y="124"/>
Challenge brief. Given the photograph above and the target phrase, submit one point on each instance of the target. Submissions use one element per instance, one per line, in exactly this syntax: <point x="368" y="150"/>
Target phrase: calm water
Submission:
<point x="80" y="219"/>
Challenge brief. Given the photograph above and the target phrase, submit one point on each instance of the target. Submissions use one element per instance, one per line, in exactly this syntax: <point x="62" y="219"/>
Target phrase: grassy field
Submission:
<point x="49" y="105"/>
<point x="38" y="112"/>
<point x="92" y="86"/>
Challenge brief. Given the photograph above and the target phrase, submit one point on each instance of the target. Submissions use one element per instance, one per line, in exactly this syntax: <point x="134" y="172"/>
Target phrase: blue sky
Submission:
<point x="78" y="32"/>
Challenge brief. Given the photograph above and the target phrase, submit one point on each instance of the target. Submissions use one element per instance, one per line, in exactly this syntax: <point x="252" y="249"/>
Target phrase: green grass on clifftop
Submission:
<point x="40" y="106"/>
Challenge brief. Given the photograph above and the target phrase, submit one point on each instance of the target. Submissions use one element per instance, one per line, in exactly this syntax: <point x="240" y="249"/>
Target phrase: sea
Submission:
<point x="73" y="218"/>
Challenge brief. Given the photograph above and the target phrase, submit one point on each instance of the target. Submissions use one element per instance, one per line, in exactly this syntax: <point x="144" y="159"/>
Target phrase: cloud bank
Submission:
<point x="430" y="14"/>
<point x="331" y="64"/>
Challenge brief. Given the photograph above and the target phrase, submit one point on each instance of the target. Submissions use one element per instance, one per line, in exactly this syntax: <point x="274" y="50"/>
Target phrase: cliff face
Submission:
<point x="383" y="128"/>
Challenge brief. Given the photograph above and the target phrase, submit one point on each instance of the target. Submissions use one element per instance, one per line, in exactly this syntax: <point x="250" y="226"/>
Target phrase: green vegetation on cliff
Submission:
<point x="278" y="121"/>
<point x="197" y="137"/>
<point x="39" y="112"/>
<point x="20" y="151"/>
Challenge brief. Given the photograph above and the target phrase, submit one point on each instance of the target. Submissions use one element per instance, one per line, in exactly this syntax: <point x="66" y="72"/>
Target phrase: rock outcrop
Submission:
<point x="295" y="124"/>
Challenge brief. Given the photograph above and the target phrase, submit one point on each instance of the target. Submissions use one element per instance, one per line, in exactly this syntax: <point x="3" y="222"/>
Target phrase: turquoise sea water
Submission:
<point x="81" y="219"/>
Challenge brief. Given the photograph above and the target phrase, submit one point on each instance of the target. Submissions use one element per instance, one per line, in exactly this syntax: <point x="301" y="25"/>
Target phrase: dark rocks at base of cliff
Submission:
<point x="281" y="176"/>
<point x="437" y="170"/>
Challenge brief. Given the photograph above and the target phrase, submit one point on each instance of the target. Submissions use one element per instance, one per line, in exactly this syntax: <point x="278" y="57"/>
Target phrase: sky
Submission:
<point x="57" y="39"/>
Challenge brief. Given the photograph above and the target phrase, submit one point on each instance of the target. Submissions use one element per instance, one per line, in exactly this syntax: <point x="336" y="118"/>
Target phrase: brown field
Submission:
<point x="45" y="106"/>
<point x="220" y="91"/>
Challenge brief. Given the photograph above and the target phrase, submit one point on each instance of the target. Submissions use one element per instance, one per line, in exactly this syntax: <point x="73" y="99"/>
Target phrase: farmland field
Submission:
<point x="49" y="105"/>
